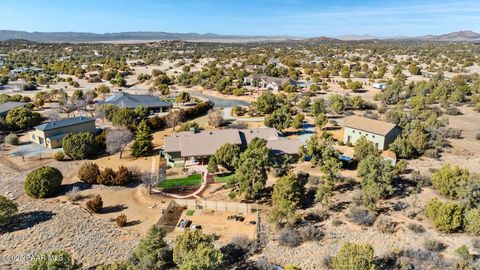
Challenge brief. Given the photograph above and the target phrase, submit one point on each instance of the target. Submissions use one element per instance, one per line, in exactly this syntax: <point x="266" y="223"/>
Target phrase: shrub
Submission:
<point x="122" y="177"/>
<point x="289" y="237"/>
<point x="477" y="136"/>
<point x="447" y="180"/>
<point x="59" y="156"/>
<point x="311" y="233"/>
<point x="89" y="172"/>
<point x="43" y="182"/>
<point x="463" y="253"/>
<point x="432" y="153"/>
<point x="416" y="228"/>
<point x="121" y="220"/>
<point x="386" y="225"/>
<point x="452" y="111"/>
<point x="73" y="194"/>
<point x="106" y="177"/>
<point x="434" y="245"/>
<point x="12" y="139"/>
<point x="7" y="208"/>
<point x="354" y="256"/>
<point x="447" y="217"/>
<point x="361" y="215"/>
<point x="472" y="221"/>
<point x="80" y="145"/>
<point x="453" y="133"/>
<point x="95" y="205"/>
<point x="53" y="260"/>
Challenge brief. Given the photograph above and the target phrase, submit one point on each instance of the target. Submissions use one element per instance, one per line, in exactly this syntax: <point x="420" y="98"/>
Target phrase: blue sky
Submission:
<point x="300" y="18"/>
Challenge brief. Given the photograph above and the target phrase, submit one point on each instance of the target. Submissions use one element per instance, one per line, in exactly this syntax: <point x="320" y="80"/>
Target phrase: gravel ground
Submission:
<point x="45" y="225"/>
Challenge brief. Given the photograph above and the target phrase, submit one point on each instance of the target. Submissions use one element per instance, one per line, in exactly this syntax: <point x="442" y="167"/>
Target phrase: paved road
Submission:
<point x="221" y="102"/>
<point x="308" y="130"/>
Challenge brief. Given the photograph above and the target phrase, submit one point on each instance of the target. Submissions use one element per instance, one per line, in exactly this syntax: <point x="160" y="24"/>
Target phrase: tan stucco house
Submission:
<point x="51" y="134"/>
<point x="188" y="147"/>
<point x="381" y="133"/>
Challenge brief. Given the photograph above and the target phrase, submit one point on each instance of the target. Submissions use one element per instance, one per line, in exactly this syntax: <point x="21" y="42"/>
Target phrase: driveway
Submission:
<point x="32" y="150"/>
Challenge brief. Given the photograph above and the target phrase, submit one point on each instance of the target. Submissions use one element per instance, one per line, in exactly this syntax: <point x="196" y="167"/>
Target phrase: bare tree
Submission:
<point x="174" y="118"/>
<point x="117" y="139"/>
<point x="53" y="114"/>
<point x="215" y="118"/>
<point x="149" y="181"/>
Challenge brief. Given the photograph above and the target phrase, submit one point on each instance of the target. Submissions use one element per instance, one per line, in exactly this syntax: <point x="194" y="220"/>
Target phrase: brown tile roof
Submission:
<point x="369" y="125"/>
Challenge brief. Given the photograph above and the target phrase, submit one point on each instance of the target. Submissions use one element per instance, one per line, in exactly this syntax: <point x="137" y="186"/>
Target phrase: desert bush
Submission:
<point x="73" y="194"/>
<point x="106" y="177"/>
<point x="354" y="256"/>
<point x="337" y="222"/>
<point x="121" y="220"/>
<point x="289" y="237"/>
<point x="463" y="253"/>
<point x="476" y="243"/>
<point x="89" y="172"/>
<point x="434" y="245"/>
<point x="447" y="180"/>
<point x="477" y="136"/>
<point x="59" y="156"/>
<point x="453" y="133"/>
<point x="361" y="215"/>
<point x="43" y="182"/>
<point x="12" y="139"/>
<point x="386" y="225"/>
<point x="432" y="153"/>
<point x="314" y="180"/>
<point x="237" y="249"/>
<point x="416" y="228"/>
<point x="472" y="221"/>
<point x="95" y="205"/>
<point x="311" y="233"/>
<point x="53" y="260"/>
<point x="122" y="177"/>
<point x="452" y="111"/>
<point x="447" y="217"/>
<point x="421" y="180"/>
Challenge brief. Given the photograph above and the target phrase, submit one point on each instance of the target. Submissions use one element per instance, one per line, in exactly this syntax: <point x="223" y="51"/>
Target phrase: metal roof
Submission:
<point x="64" y="123"/>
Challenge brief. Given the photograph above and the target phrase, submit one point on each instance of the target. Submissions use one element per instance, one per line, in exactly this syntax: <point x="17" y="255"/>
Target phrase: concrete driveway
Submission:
<point x="33" y="150"/>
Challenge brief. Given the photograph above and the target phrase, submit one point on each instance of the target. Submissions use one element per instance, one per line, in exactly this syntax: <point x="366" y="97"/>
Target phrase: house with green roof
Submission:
<point x="51" y="134"/>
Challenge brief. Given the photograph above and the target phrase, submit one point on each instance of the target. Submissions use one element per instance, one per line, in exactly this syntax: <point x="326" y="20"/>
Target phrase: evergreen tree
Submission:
<point x="143" y="141"/>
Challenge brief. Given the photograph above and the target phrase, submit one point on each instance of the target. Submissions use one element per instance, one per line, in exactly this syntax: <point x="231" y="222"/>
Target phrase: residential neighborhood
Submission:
<point x="243" y="135"/>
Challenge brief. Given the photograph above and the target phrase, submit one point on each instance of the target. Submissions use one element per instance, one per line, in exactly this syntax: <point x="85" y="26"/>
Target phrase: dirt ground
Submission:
<point x="217" y="223"/>
<point x="463" y="152"/>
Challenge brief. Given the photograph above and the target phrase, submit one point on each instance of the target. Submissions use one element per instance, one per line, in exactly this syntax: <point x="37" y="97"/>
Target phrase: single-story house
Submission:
<point x="188" y="146"/>
<point x="125" y="100"/>
<point x="267" y="82"/>
<point x="10" y="105"/>
<point x="381" y="86"/>
<point x="51" y="134"/>
<point x="381" y="133"/>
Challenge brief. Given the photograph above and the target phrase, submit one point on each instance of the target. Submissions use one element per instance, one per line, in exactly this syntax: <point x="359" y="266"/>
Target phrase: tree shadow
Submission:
<point x="113" y="209"/>
<point x="25" y="220"/>
<point x="340" y="206"/>
<point x="132" y="223"/>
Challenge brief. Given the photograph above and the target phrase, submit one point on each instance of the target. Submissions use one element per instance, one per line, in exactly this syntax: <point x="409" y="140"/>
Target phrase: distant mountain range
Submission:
<point x="128" y="36"/>
<point x="76" y="37"/>
<point x="466" y="35"/>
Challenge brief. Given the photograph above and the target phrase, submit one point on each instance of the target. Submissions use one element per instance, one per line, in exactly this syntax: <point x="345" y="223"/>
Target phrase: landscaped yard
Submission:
<point x="224" y="178"/>
<point x="191" y="180"/>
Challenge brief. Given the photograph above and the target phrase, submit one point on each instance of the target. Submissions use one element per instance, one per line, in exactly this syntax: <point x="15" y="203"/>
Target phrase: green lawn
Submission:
<point x="223" y="178"/>
<point x="192" y="180"/>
